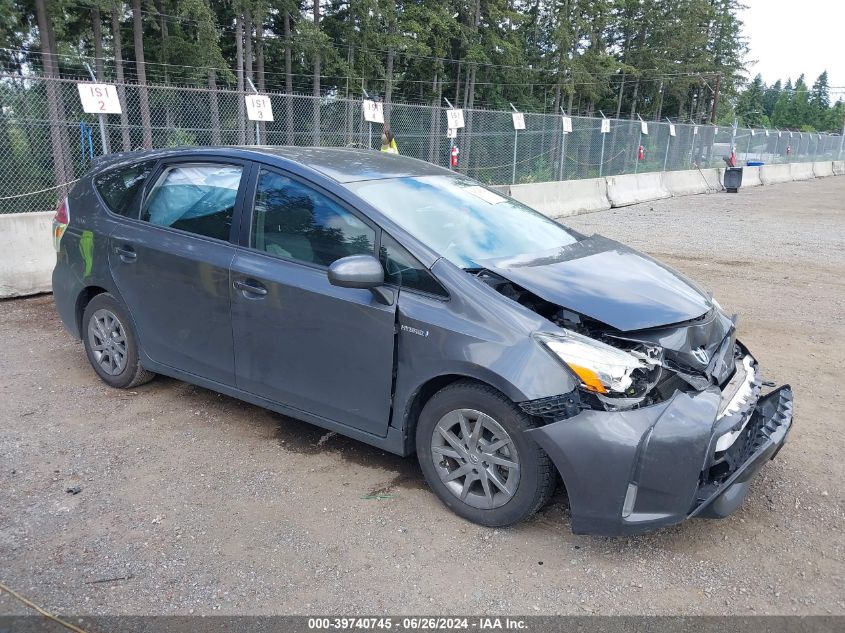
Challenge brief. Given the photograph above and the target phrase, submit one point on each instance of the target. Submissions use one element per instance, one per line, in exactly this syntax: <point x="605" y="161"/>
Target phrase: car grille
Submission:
<point x="553" y="407"/>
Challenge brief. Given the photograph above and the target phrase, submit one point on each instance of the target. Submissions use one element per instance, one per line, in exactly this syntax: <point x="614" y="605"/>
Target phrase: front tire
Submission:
<point x="111" y="343"/>
<point x="476" y="457"/>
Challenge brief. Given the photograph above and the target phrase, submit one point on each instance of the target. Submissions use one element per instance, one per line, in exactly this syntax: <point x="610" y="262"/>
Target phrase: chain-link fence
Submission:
<point x="490" y="149"/>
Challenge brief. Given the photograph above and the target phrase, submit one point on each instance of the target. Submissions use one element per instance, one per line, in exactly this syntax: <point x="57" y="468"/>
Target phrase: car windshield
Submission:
<point x="461" y="220"/>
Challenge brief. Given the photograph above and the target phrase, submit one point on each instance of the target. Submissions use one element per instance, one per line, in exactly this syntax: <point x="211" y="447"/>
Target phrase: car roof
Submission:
<point x="342" y="164"/>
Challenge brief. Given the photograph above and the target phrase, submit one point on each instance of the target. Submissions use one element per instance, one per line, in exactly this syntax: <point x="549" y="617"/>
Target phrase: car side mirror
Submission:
<point x="356" y="271"/>
<point x="361" y="271"/>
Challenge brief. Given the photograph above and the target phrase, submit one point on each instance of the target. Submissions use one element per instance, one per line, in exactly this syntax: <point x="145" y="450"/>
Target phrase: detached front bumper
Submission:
<point x="629" y="472"/>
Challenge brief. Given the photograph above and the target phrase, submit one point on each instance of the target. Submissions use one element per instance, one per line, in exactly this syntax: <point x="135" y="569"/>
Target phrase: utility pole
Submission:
<point x="715" y="98"/>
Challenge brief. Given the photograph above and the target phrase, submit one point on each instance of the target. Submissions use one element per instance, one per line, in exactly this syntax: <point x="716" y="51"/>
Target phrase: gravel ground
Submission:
<point x="192" y="502"/>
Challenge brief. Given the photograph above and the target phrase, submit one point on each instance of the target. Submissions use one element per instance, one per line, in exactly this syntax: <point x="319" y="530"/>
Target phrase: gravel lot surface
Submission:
<point x="192" y="502"/>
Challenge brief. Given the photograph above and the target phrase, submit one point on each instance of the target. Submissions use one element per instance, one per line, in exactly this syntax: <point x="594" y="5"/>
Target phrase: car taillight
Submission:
<point x="61" y="212"/>
<point x="60" y="222"/>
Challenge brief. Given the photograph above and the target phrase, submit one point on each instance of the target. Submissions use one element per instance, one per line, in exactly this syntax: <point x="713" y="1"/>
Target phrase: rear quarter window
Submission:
<point x="119" y="187"/>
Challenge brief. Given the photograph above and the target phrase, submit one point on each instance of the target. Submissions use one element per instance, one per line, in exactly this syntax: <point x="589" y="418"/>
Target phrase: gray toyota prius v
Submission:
<point x="414" y="309"/>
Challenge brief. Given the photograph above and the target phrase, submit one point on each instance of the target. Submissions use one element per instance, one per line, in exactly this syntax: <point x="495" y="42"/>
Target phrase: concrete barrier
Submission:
<point x="562" y="198"/>
<point x="801" y="171"/>
<point x="774" y="174"/>
<point x="691" y="181"/>
<point x="750" y="176"/>
<point x="634" y="188"/>
<point x="505" y="190"/>
<point x="26" y="253"/>
<point x="823" y="169"/>
<point x="839" y="167"/>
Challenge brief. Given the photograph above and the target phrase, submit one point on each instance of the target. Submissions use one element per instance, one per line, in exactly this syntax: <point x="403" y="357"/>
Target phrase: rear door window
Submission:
<point x="197" y="197"/>
<point x="119" y="187"/>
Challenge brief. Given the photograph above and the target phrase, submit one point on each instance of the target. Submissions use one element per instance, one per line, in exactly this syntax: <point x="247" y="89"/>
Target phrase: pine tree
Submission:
<point x="750" y="108"/>
<point x="819" y="101"/>
<point x="770" y="98"/>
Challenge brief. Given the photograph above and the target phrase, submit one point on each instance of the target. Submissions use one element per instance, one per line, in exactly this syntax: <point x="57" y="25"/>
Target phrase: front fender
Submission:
<point x="480" y="337"/>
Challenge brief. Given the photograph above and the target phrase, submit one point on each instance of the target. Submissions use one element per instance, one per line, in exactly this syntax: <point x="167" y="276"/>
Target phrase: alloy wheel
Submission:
<point x="475" y="458"/>
<point x="107" y="340"/>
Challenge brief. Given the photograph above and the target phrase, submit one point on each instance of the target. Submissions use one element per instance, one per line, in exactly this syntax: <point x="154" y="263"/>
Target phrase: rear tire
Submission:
<point x="476" y="457"/>
<point x="111" y="343"/>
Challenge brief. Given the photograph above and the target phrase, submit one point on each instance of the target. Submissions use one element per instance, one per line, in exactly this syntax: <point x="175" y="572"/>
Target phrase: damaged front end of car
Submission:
<point x="667" y="422"/>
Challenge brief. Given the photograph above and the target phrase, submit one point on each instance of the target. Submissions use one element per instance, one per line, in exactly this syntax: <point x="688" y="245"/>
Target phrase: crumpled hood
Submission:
<point x="606" y="281"/>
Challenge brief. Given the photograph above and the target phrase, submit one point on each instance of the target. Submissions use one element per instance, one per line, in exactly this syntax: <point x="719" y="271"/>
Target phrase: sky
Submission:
<point x="790" y="37"/>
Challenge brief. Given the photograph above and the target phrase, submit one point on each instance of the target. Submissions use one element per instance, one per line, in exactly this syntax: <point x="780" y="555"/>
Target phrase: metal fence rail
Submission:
<point x="490" y="149"/>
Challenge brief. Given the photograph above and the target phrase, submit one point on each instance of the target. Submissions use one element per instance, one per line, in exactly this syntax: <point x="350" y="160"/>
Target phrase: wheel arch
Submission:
<point x="82" y="300"/>
<point x="87" y="294"/>
<point x="431" y="386"/>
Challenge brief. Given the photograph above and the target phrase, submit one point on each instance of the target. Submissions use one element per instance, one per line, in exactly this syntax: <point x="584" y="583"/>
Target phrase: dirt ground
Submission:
<point x="192" y="502"/>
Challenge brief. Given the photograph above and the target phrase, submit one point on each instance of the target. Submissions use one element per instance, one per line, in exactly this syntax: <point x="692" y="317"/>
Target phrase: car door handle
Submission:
<point x="127" y="254"/>
<point x="251" y="288"/>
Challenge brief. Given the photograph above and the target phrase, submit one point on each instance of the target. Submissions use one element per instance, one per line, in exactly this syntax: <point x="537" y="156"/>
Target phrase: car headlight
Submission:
<point x="603" y="369"/>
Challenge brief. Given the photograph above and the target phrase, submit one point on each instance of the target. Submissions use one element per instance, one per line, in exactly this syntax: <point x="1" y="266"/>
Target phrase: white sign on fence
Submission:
<point x="452" y="132"/>
<point x="695" y="130"/>
<point x="567" y="125"/>
<point x="643" y="127"/>
<point x="373" y="111"/>
<point x="767" y="131"/>
<point x="518" y="120"/>
<point x="605" y="126"/>
<point x="671" y="129"/>
<point x="99" y="98"/>
<point x="454" y="119"/>
<point x="259" y="108"/>
<point x="752" y="131"/>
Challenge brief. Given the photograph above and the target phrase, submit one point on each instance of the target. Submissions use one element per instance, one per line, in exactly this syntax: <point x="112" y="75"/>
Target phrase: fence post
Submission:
<point x="562" y="145"/>
<point x="691" y="147"/>
<point x="668" y="142"/>
<point x="369" y="123"/>
<point x="101" y="117"/>
<point x="257" y="133"/>
<point x="712" y="145"/>
<point x="515" y="139"/>
<point x="733" y="135"/>
<point x="637" y="148"/>
<point x="601" y="158"/>
<point x="748" y="145"/>
<point x="841" y="142"/>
